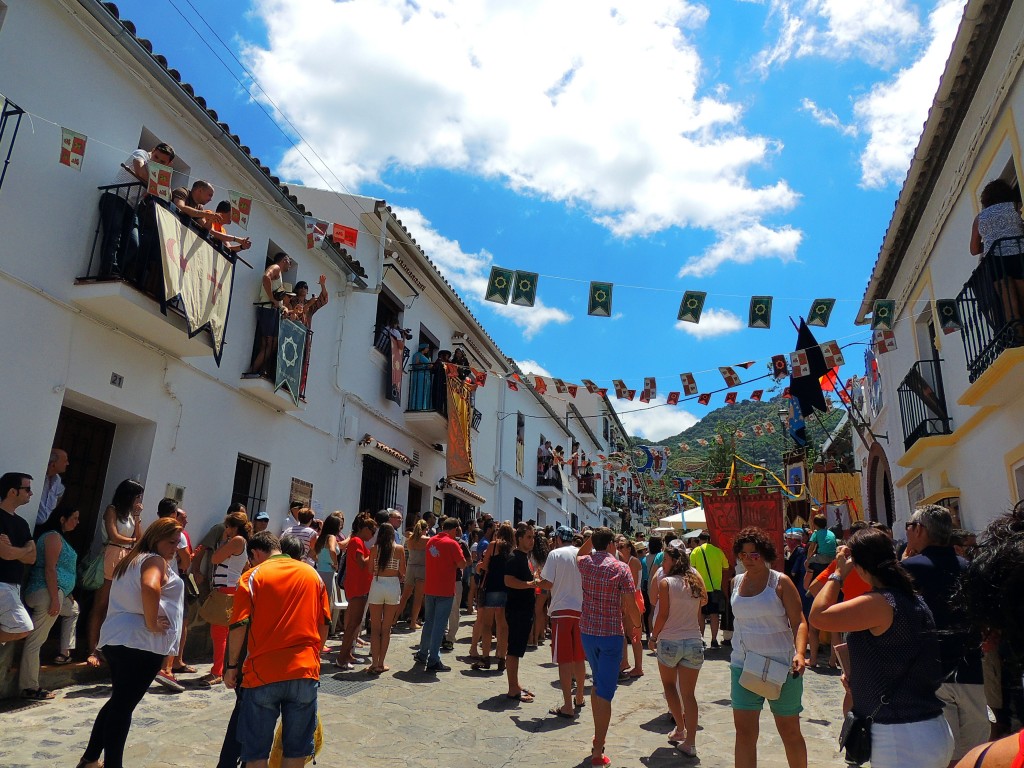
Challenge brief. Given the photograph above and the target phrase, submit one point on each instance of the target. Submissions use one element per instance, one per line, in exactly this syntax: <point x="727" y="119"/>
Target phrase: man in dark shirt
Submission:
<point x="521" y="585"/>
<point x="16" y="551"/>
<point x="190" y="202"/>
<point x="936" y="569"/>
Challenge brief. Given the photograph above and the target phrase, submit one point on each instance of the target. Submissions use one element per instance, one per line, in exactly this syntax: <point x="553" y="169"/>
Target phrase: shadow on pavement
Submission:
<point x="93" y="692"/>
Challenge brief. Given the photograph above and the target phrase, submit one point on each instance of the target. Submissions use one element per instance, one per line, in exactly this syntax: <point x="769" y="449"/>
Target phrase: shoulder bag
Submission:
<point x="716" y="597"/>
<point x="763" y="676"/>
<point x="216" y="609"/>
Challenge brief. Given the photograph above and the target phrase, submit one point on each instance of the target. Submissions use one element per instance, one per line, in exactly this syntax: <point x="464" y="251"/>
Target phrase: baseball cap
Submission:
<point x="262" y="516"/>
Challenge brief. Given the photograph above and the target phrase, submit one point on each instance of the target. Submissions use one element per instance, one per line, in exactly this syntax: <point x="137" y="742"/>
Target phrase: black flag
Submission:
<point x="807" y="389"/>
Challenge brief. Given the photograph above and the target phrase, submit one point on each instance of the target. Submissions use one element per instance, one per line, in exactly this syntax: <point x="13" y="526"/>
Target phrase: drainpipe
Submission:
<point x="502" y="418"/>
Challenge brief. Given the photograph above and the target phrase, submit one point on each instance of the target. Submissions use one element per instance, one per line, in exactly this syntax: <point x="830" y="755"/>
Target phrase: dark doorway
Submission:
<point x="87" y="441"/>
<point x="412" y="511"/>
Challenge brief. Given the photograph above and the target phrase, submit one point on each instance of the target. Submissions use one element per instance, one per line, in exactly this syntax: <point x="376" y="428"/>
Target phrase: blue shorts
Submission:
<point x="681" y="653"/>
<point x="495" y="599"/>
<point x="295" y="702"/>
<point x="790" y="702"/>
<point x="604" y="654"/>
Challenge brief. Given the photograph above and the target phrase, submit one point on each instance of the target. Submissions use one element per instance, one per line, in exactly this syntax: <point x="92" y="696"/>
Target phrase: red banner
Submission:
<point x="459" y="455"/>
<point x="397" y="349"/>
<point x="345" y="235"/>
<point x="731" y="512"/>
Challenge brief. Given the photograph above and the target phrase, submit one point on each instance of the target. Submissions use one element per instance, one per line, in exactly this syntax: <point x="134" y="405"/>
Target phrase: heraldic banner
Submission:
<point x="460" y="452"/>
<point x="291" y="348"/>
<point x="198" y="275"/>
<point x="731" y="512"/>
<point x="394" y="376"/>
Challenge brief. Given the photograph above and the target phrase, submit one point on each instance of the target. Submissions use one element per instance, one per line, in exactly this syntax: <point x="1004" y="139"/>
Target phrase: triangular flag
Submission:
<point x="499" y="286"/>
<point x="760" y="312"/>
<point x="821" y="311"/>
<point x="828" y="381"/>
<point x="72" y="148"/>
<point x="730" y="398"/>
<point x="603" y="391"/>
<point x="630" y="394"/>
<point x="481" y="377"/>
<point x="730" y="376"/>
<point x="691" y="306"/>
<point x="159" y="180"/>
<point x="746" y="366"/>
<point x="780" y="368"/>
<point x="573" y="389"/>
<point x="591" y="386"/>
<point x="241" y="208"/>
<point x="689" y="384"/>
<point x="704" y="399"/>
<point x="620" y="388"/>
<point x="949" y="315"/>
<point x="600" y="299"/>
<point x="559" y="386"/>
<point x="524" y="288"/>
<point x="343" y="235"/>
<point x="539" y="385"/>
<point x="511" y="381"/>
<point x="786" y="393"/>
<point x="756" y="395"/>
<point x="832" y="354"/>
<point x="645" y="396"/>
<point x="883" y="314"/>
<point x="672" y="399"/>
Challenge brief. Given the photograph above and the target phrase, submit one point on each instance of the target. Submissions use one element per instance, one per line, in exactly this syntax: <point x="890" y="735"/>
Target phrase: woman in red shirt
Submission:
<point x="358" y="577"/>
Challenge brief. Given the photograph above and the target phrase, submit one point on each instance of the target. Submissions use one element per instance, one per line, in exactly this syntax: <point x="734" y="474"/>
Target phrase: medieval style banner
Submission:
<point x="198" y="275"/>
<point x="394" y="382"/>
<point x="459" y="456"/>
<point x="731" y="512"/>
<point x="291" y="348"/>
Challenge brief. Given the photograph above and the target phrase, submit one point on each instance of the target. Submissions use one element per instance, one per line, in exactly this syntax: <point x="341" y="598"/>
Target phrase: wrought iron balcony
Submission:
<point x="923" y="403"/>
<point x="992" y="307"/>
<point x="477" y="418"/>
<point x="422" y="395"/>
<point x="585" y="486"/>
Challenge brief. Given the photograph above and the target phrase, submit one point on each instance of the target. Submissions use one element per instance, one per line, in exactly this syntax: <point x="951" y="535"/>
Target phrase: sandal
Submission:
<point x="558" y="711"/>
<point x="677" y="736"/>
<point x="603" y="759"/>
<point x="95" y="660"/>
<point x="62" y="658"/>
<point x="524" y="696"/>
<point x="38" y="694"/>
<point x="83" y="763"/>
<point x="187" y="668"/>
<point x="501" y="664"/>
<point x="483" y="664"/>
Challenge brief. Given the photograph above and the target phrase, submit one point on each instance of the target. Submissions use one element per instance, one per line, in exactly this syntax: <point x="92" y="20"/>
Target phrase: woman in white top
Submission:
<point x="677" y="632"/>
<point x="229" y="560"/>
<point x="769" y="621"/>
<point x="122" y="527"/>
<point x="142" y="626"/>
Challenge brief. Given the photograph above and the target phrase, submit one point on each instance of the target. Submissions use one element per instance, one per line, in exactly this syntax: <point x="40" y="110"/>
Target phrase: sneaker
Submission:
<point x="438" y="667"/>
<point x="727" y="643"/>
<point x="446" y="646"/>
<point x="714" y="644"/>
<point x="418" y="659"/>
<point x="168" y="681"/>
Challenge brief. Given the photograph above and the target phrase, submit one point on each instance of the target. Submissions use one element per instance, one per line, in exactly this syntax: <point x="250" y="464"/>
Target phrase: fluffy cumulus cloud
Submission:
<point x="592" y="103"/>
<point x="893" y="113"/>
<point x="713" y="322"/>
<point x="533" y="367"/>
<point x="653" y="423"/>
<point x="743" y="245"/>
<point x="872" y="30"/>
<point x="468" y="272"/>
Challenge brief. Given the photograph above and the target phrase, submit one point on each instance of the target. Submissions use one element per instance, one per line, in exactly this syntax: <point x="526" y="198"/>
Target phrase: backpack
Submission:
<point x="339" y="577"/>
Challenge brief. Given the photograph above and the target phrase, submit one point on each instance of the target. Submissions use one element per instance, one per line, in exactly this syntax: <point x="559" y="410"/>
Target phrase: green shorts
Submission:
<point x="789" y="703"/>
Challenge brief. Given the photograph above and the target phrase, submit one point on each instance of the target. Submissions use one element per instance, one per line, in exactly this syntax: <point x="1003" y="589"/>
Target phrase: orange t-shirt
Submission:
<point x="286" y="605"/>
<point x="853" y="586"/>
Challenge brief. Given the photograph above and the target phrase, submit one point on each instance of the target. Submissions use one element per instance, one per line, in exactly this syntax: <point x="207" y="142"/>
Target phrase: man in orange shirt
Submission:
<point x="281" y="616"/>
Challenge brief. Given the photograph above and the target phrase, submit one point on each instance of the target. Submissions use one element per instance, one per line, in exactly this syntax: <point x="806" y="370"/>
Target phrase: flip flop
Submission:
<point x="524" y="696"/>
<point x="187" y="668"/>
<point x="38" y="694"/>
<point x="635" y="673"/>
<point x="62" y="658"/>
<point x="558" y="711"/>
<point x="603" y="760"/>
<point x="94" y="661"/>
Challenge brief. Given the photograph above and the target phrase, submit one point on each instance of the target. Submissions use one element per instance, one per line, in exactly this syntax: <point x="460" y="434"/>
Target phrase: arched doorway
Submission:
<point x="880" y="502"/>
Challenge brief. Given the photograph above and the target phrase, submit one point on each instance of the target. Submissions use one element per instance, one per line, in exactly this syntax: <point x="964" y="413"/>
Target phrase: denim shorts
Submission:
<point x="681" y="653"/>
<point x="495" y="599"/>
<point x="295" y="702"/>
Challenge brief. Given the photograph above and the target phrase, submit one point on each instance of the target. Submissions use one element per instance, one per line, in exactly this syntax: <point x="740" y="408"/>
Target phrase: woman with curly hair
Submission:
<point x="768" y="621"/>
<point x="894" y="654"/>
<point x="416" y="572"/>
<point x="677" y="634"/>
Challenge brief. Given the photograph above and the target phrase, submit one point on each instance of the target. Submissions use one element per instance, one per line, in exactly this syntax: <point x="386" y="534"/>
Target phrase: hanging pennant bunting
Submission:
<point x="512" y="382"/>
<point x="758" y="430"/>
<point x="799" y="363"/>
<point x="884" y="341"/>
<point x="540" y="385"/>
<point x="704" y="399"/>
<point x="684" y="446"/>
<point x="720" y="440"/>
<point x="949" y="315"/>
<point x="780" y="367"/>
<point x="524" y="288"/>
<point x="747" y="365"/>
<point x="833" y="354"/>
<point x="72" y="148"/>
<point x="689" y="384"/>
<point x="620" y="388"/>
<point x="481" y="377"/>
<point x="600" y="299"/>
<point x="311" y="239"/>
<point x="645" y="396"/>
<point x="760" y="315"/>
<point x="730" y="398"/>
<point x="499" y="286"/>
<point x="821" y="311"/>
<point x="241" y="208"/>
<point x="702" y="442"/>
<point x="756" y="395"/>
<point x="560" y="387"/>
<point x="883" y="314"/>
<point x="740" y="434"/>
<point x="786" y="393"/>
<point x="342" y="235"/>
<point x="691" y="306"/>
<point x="732" y="379"/>
<point x="769" y="428"/>
<point x="159" y="180"/>
<point x="672" y="399"/>
<point x="603" y="391"/>
<point x="630" y="394"/>
<point x="573" y="388"/>
<point x="591" y="386"/>
<point x="650" y="387"/>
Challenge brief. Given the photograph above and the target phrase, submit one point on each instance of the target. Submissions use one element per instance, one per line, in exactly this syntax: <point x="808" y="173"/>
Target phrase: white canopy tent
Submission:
<point x="690" y="519"/>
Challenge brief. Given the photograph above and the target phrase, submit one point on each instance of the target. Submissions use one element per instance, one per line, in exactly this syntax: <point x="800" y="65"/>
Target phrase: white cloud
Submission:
<point x="713" y="322"/>
<point x="653" y="423"/>
<point x="827" y="118"/>
<point x="533" y="367"/>
<point x="592" y="103"/>
<point x="468" y="273"/>
<point x="893" y="113"/>
<point x="871" y="30"/>
<point x="744" y="244"/>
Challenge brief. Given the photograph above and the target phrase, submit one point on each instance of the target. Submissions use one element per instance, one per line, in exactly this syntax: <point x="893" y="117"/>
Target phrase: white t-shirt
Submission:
<point x="123" y="176"/>
<point x="561" y="570"/>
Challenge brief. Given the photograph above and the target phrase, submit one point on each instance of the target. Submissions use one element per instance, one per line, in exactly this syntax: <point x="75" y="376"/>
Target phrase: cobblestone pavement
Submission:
<point x="449" y="720"/>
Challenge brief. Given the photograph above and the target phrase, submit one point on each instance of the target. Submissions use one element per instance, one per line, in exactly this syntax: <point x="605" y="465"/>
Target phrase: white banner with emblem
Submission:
<point x="197" y="274"/>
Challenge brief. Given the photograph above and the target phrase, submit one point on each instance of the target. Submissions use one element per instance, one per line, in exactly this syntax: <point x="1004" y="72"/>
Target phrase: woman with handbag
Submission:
<point x="229" y="561"/>
<point x="769" y="636"/>
<point x="894" y="660"/>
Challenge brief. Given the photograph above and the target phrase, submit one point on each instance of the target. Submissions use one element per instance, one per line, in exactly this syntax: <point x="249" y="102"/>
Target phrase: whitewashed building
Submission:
<point x="945" y="407"/>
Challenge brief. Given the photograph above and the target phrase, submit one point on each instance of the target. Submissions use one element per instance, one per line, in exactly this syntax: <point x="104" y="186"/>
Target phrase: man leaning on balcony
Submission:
<point x="190" y="202"/>
<point x="120" y="243"/>
<point x="268" y="317"/>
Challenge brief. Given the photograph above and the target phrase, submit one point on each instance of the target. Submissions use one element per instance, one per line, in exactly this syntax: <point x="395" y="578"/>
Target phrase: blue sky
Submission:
<point x="733" y="147"/>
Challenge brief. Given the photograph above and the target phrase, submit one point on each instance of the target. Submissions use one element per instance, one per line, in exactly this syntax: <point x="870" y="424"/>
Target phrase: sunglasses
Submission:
<point x="912" y="525"/>
<point x="751" y="555"/>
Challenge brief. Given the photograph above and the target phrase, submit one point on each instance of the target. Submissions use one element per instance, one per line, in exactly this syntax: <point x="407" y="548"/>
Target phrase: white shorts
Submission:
<point x="385" y="590"/>
<point x="14" y="617"/>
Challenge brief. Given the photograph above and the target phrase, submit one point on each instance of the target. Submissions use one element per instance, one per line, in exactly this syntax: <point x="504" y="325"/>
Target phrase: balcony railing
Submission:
<point x="551" y="479"/>
<point x="992" y="307"/>
<point x="585" y="485"/>
<point x="422" y="395"/>
<point x="923" y="403"/>
<point x="477" y="418"/>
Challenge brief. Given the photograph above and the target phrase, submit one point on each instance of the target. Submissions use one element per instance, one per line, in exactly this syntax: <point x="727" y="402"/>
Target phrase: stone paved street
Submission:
<point x="454" y="719"/>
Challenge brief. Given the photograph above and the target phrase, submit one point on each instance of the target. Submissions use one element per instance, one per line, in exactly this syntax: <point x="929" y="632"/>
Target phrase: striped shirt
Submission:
<point x="305" y="533"/>
<point x="605" y="579"/>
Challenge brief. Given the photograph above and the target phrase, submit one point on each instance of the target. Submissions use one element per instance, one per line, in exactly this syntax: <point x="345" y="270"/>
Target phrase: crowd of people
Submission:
<point x="926" y="630"/>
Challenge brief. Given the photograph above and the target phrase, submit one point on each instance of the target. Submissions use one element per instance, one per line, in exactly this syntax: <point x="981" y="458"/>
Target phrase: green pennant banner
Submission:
<point x="821" y="311"/>
<point x="524" y="288"/>
<point x="499" y="285"/>
<point x="691" y="306"/>
<point x="600" y="299"/>
<point x="291" y="347"/>
<point x="949" y="315"/>
<point x="760" y="312"/>
<point x="883" y="314"/>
